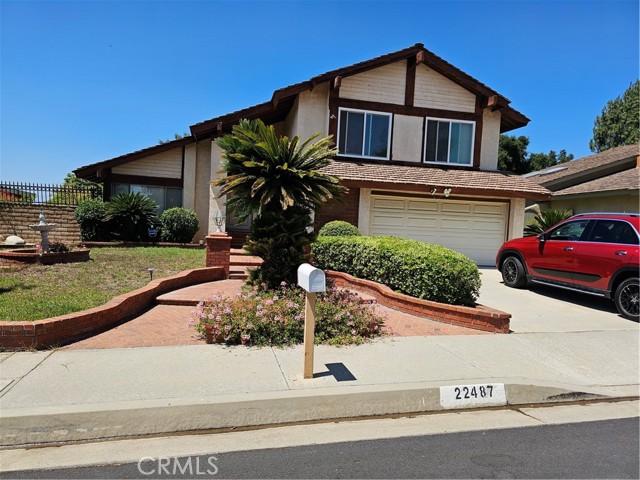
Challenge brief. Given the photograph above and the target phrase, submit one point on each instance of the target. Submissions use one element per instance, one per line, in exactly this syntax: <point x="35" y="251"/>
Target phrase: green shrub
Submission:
<point x="178" y="225"/>
<point x="276" y="317"/>
<point x="544" y="221"/>
<point x="131" y="215"/>
<point x="91" y="216"/>
<point x="338" y="228"/>
<point x="422" y="270"/>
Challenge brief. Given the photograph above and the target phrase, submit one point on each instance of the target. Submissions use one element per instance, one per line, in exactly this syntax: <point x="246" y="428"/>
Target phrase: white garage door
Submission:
<point x="476" y="229"/>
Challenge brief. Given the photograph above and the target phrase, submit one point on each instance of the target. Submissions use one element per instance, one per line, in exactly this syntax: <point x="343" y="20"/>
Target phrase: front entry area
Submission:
<point x="474" y="228"/>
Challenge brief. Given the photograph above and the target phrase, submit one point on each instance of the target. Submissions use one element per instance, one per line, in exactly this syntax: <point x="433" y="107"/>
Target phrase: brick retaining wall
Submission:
<point x="74" y="326"/>
<point x="15" y="220"/>
<point x="478" y="317"/>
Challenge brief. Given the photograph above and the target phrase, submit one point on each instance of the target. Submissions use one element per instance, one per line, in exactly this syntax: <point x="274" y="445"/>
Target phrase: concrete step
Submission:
<point x="245" y="260"/>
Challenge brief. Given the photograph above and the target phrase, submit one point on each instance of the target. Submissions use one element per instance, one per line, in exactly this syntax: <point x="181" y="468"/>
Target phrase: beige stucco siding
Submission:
<point x="599" y="203"/>
<point x="189" y="180"/>
<point x="490" y="140"/>
<point x="516" y="218"/>
<point x="436" y="91"/>
<point x="165" y="165"/>
<point x="383" y="84"/>
<point x="310" y="114"/>
<point x="407" y="138"/>
<point x="202" y="179"/>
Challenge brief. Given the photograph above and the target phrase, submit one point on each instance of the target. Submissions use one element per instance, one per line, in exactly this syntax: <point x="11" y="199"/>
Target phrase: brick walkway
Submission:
<point x="167" y="323"/>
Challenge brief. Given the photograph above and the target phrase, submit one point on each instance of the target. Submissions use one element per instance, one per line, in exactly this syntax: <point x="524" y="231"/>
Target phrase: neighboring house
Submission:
<point x="608" y="181"/>
<point x="418" y="142"/>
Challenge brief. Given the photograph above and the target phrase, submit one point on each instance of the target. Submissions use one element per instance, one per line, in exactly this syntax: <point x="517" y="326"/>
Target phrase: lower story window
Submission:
<point x="165" y="197"/>
<point x="447" y="141"/>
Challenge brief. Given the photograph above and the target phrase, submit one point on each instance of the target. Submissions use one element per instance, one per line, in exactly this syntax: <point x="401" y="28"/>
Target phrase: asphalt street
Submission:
<point x="603" y="449"/>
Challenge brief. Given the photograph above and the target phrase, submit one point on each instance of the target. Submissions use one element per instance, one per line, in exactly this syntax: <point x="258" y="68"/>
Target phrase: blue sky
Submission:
<point x="83" y="82"/>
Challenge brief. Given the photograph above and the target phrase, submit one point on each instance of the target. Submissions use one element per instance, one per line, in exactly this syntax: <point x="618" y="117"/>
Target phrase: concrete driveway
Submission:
<point x="547" y="309"/>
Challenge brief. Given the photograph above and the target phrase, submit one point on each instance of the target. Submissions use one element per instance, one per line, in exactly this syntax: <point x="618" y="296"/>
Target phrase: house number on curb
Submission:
<point x="312" y="280"/>
<point x="463" y="396"/>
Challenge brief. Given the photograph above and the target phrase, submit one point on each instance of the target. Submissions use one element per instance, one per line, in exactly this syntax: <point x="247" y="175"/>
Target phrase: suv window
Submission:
<point x="568" y="231"/>
<point x="613" y="231"/>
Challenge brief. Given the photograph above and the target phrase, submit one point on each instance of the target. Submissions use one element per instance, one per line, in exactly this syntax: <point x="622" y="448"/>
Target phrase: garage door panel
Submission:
<point x="475" y="229"/>
<point x="451" y="207"/>
<point x="425" y="222"/>
<point x="388" y="203"/>
<point x="422" y="206"/>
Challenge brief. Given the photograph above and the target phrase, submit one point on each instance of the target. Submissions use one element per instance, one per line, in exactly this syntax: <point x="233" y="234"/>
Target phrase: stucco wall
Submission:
<point x="310" y="114"/>
<point x="15" y="220"/>
<point x="516" y="218"/>
<point x="628" y="203"/>
<point x="189" y="180"/>
<point x="202" y="178"/>
<point x="490" y="140"/>
<point x="407" y="138"/>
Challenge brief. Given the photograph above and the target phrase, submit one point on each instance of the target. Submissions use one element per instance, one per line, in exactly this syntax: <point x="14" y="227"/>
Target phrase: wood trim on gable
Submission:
<point x="410" y="82"/>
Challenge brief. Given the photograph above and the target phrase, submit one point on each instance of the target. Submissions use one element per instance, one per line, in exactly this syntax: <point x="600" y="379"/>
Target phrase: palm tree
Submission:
<point x="544" y="221"/>
<point x="279" y="181"/>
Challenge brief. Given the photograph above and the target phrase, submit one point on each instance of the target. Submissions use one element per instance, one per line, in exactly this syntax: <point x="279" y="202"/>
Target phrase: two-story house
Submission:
<point x="418" y="150"/>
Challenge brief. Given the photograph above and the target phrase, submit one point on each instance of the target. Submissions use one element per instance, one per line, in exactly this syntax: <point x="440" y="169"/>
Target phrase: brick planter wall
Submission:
<point x="29" y="256"/>
<point x="219" y="251"/>
<point x="15" y="220"/>
<point x="74" y="326"/>
<point x="478" y="317"/>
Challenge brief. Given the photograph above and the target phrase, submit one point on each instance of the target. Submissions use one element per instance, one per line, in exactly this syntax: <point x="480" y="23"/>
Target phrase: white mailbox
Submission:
<point x="310" y="278"/>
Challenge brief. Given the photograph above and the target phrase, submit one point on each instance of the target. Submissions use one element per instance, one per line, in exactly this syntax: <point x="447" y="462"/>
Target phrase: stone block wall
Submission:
<point x="15" y="220"/>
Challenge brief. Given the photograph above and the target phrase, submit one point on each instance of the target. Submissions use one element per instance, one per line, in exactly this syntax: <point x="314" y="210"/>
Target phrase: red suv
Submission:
<point x="594" y="253"/>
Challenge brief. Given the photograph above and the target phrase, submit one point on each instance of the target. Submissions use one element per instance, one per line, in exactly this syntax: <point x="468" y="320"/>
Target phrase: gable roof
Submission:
<point x="463" y="182"/>
<point x="282" y="99"/>
<point x="588" y="168"/>
<point x="624" y="180"/>
<point x="91" y="172"/>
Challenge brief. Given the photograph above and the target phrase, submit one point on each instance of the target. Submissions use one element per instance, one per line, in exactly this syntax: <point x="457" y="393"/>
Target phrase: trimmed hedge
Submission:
<point x="422" y="270"/>
<point x="338" y="228"/>
<point x="178" y="225"/>
<point x="91" y="215"/>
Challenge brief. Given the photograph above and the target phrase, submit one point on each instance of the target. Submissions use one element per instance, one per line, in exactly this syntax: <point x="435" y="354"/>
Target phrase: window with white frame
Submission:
<point x="449" y="141"/>
<point x="364" y="134"/>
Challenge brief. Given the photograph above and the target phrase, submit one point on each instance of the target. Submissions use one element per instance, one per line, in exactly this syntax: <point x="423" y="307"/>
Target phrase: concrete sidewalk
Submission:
<point x="63" y="395"/>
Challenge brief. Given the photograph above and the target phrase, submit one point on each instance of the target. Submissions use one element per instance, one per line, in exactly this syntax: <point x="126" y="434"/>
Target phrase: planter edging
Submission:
<point x="479" y="317"/>
<point x="73" y="326"/>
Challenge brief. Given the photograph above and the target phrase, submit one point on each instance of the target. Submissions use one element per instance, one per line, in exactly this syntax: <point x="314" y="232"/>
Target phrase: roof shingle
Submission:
<point x="625" y="180"/>
<point x="493" y="182"/>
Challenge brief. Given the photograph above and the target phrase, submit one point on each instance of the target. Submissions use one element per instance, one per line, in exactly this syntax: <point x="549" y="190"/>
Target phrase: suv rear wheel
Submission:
<point x="626" y="298"/>
<point x="513" y="273"/>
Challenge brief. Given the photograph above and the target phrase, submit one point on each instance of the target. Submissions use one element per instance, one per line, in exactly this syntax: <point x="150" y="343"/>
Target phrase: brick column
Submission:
<point x="219" y="251"/>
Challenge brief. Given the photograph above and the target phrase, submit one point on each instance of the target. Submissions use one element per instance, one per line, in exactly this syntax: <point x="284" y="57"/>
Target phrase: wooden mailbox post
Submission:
<point x="312" y="280"/>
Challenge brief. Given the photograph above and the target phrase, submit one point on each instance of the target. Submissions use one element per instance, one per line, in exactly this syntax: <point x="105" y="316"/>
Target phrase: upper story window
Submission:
<point x="364" y="134"/>
<point x="448" y="141"/>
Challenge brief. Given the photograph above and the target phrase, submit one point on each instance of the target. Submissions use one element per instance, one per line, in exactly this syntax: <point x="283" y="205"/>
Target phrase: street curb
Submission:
<point x="42" y="425"/>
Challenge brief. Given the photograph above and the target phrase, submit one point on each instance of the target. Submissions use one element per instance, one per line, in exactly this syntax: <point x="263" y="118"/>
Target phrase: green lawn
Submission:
<point x="34" y="292"/>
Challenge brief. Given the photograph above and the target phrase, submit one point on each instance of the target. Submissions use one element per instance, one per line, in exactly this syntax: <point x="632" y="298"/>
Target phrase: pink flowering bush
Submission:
<point x="276" y="317"/>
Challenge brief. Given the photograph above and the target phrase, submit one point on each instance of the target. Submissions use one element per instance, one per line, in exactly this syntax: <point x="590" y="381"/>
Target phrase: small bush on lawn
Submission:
<point x="422" y="270"/>
<point x="91" y="216"/>
<point x="338" y="228"/>
<point x="276" y="317"/>
<point x="178" y="225"/>
<point x="131" y="215"/>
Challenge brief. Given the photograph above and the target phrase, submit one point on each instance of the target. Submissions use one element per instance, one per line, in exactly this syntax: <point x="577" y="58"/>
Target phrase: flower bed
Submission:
<point x="261" y="318"/>
<point x="21" y="256"/>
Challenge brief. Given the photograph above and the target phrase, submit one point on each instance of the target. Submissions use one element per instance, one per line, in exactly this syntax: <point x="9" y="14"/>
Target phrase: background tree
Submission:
<point x="619" y="122"/>
<point x="279" y="181"/>
<point x="538" y="161"/>
<point x="513" y="156"/>
<point x="76" y="190"/>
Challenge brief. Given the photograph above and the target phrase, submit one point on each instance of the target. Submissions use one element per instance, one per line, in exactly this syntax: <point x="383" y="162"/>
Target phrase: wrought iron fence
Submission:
<point x="42" y="194"/>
